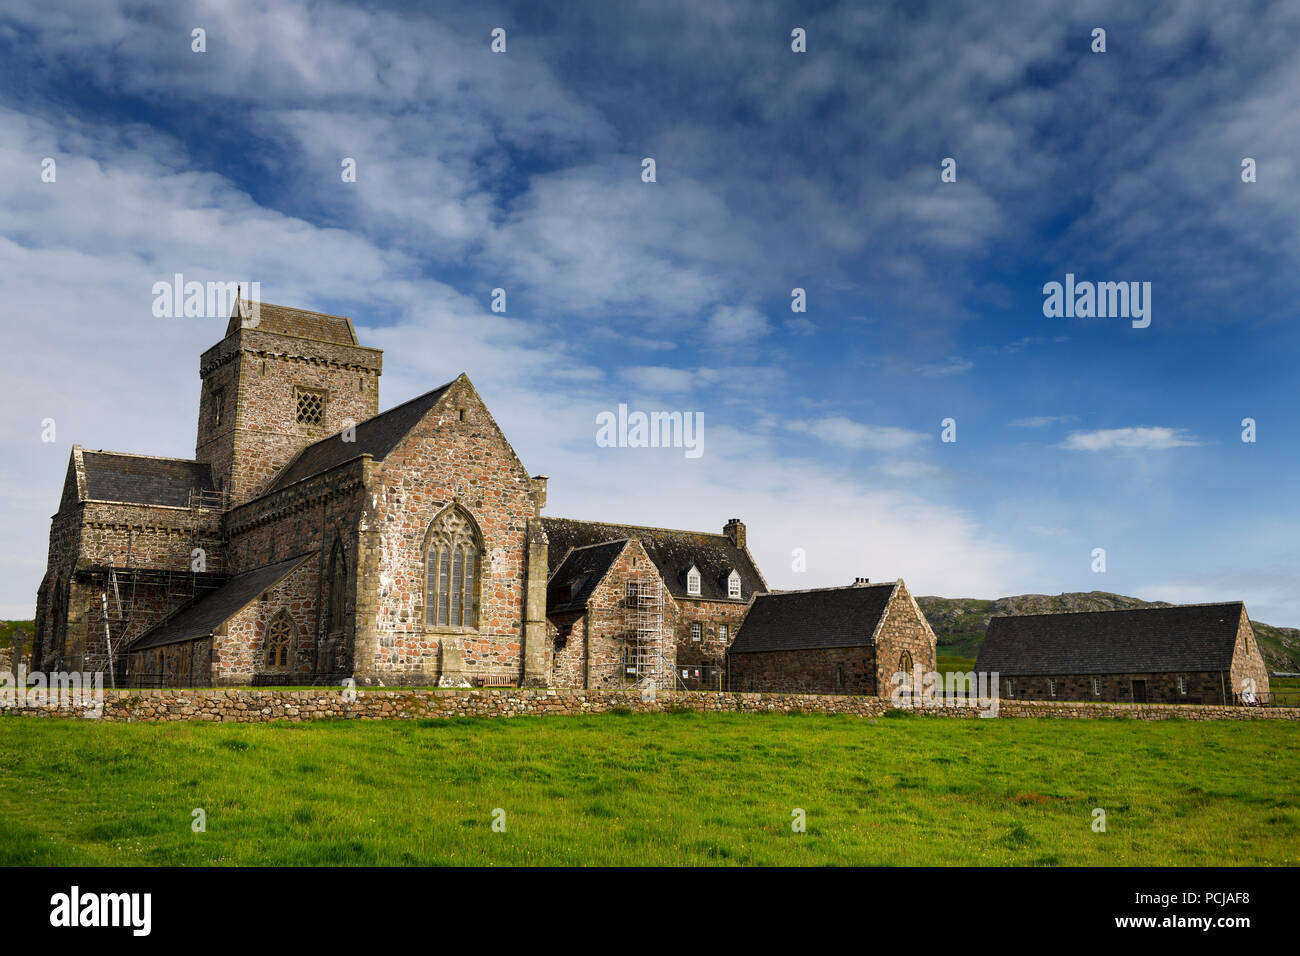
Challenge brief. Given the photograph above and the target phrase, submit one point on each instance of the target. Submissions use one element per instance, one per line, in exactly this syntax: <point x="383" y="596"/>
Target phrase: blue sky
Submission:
<point x="775" y="170"/>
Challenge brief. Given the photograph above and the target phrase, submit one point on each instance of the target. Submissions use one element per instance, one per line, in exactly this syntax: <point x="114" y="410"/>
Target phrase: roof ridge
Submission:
<point x="1119" y="610"/>
<point x="133" y="454"/>
<point x="639" y="527"/>
<point x="841" y="587"/>
<point x="596" y="544"/>
<point x="294" y="308"/>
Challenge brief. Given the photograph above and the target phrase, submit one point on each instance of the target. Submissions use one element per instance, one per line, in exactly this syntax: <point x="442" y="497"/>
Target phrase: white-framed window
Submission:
<point x="1011" y="688"/>
<point x="1096" y="687"/>
<point x="724" y="633"/>
<point x="733" y="585"/>
<point x="1182" y="684"/>
<point x="693" y="581"/>
<point x="697" y="631"/>
<point x="1051" y="687"/>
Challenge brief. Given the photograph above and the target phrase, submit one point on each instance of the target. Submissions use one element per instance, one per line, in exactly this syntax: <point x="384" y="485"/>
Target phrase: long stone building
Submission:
<point x="313" y="538"/>
<point x="1186" y="654"/>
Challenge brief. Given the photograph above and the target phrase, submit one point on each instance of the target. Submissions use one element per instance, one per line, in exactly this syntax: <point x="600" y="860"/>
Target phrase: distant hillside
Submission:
<point x="960" y="623"/>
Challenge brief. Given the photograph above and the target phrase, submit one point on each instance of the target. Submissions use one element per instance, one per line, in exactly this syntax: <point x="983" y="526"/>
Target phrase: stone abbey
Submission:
<point x="313" y="539"/>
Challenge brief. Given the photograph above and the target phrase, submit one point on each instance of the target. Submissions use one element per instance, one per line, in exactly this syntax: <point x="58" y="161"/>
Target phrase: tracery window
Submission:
<point x="453" y="566"/>
<point x="279" y="640"/>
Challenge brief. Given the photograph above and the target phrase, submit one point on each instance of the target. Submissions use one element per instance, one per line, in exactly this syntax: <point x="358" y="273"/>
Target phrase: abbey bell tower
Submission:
<point x="279" y="381"/>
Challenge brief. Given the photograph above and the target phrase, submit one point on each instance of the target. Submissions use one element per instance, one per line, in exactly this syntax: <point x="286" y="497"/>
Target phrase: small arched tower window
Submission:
<point x="453" y="557"/>
<point x="279" y="640"/>
<point x="338" y="581"/>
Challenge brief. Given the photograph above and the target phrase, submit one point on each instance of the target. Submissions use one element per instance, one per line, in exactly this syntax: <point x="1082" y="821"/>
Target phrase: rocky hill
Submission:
<point x="960" y="623"/>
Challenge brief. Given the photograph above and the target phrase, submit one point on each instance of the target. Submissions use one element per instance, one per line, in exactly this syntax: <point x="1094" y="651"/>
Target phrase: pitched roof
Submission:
<point x="198" y="620"/>
<point x="578" y="575"/>
<point x="296" y="322"/>
<point x="1189" y="637"/>
<point x="673" y="552"/>
<point x="375" y="437"/>
<point x="820" y="617"/>
<point x="142" y="479"/>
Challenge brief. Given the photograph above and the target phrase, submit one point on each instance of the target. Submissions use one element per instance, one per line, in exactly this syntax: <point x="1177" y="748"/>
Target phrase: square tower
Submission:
<point x="280" y="380"/>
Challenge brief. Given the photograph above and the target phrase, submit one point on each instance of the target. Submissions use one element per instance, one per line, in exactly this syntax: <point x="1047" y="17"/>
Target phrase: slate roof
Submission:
<point x="198" y="620"/>
<point x="579" y="574"/>
<point x="1190" y="637"/>
<point x="821" y="617"/>
<point x="375" y="436"/>
<point x="298" y="322"/>
<point x="673" y="552"/>
<point x="141" y="479"/>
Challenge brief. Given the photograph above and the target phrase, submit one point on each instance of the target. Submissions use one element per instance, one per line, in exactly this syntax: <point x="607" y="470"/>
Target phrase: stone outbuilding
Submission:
<point x="847" y="640"/>
<point x="1188" y="654"/>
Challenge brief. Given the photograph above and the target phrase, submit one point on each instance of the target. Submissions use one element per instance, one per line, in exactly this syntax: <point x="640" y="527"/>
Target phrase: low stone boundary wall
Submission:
<point x="298" y="705"/>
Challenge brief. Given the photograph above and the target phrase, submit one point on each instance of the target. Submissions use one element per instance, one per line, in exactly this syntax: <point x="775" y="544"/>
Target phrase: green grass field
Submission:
<point x="650" y="789"/>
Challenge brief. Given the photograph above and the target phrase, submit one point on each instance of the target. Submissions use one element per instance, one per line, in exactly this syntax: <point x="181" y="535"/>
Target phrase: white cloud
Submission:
<point x="1143" y="437"/>
<point x="839" y="430"/>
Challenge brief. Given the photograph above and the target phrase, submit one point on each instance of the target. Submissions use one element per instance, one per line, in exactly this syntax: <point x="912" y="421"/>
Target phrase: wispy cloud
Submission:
<point x="847" y="433"/>
<point x="1040" y="421"/>
<point x="953" y="365"/>
<point x="1141" y="437"/>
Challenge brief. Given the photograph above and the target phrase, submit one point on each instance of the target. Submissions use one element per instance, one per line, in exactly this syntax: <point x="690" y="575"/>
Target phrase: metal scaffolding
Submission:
<point x="124" y="613"/>
<point x="645" y="655"/>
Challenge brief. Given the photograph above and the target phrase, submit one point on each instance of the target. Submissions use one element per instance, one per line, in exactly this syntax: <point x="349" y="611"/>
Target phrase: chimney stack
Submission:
<point x="859" y="582"/>
<point x="735" y="530"/>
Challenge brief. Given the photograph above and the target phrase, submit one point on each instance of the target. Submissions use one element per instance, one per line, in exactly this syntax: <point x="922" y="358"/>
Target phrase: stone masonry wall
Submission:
<point x="815" y="670"/>
<point x="456" y="454"/>
<point x="262" y="706"/>
<point x="1247" y="662"/>
<point x="711" y="650"/>
<point x="1202" y="687"/>
<point x="903" y="630"/>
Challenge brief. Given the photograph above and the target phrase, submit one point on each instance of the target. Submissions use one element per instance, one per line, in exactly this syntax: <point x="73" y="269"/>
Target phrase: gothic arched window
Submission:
<point x="338" y="580"/>
<point x="279" y="640"/>
<point x="453" y="566"/>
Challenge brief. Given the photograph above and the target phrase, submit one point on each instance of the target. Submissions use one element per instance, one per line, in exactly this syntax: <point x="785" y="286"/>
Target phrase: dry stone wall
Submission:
<point x="254" y="706"/>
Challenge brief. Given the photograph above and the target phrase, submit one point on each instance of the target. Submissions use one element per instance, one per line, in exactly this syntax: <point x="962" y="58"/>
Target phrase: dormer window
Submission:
<point x="693" y="580"/>
<point x="733" y="584"/>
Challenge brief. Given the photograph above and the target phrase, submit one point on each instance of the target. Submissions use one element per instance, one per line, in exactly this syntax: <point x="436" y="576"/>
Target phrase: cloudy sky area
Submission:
<point x="775" y="170"/>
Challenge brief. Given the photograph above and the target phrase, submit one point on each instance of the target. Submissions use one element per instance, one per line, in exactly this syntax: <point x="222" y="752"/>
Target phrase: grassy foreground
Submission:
<point x="650" y="789"/>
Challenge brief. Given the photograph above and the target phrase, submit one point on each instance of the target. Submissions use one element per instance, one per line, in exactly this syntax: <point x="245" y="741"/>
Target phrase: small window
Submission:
<point x="1096" y="687"/>
<point x="733" y="585"/>
<point x="1182" y="685"/>
<point x="1011" y="688"/>
<point x="723" y="633"/>
<point x="697" y="630"/>
<point x="309" y="404"/>
<point x="1051" y="687"/>
<point x="692" y="581"/>
<point x="218" y="405"/>
<point x="460" y="414"/>
<point x="279" y="639"/>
